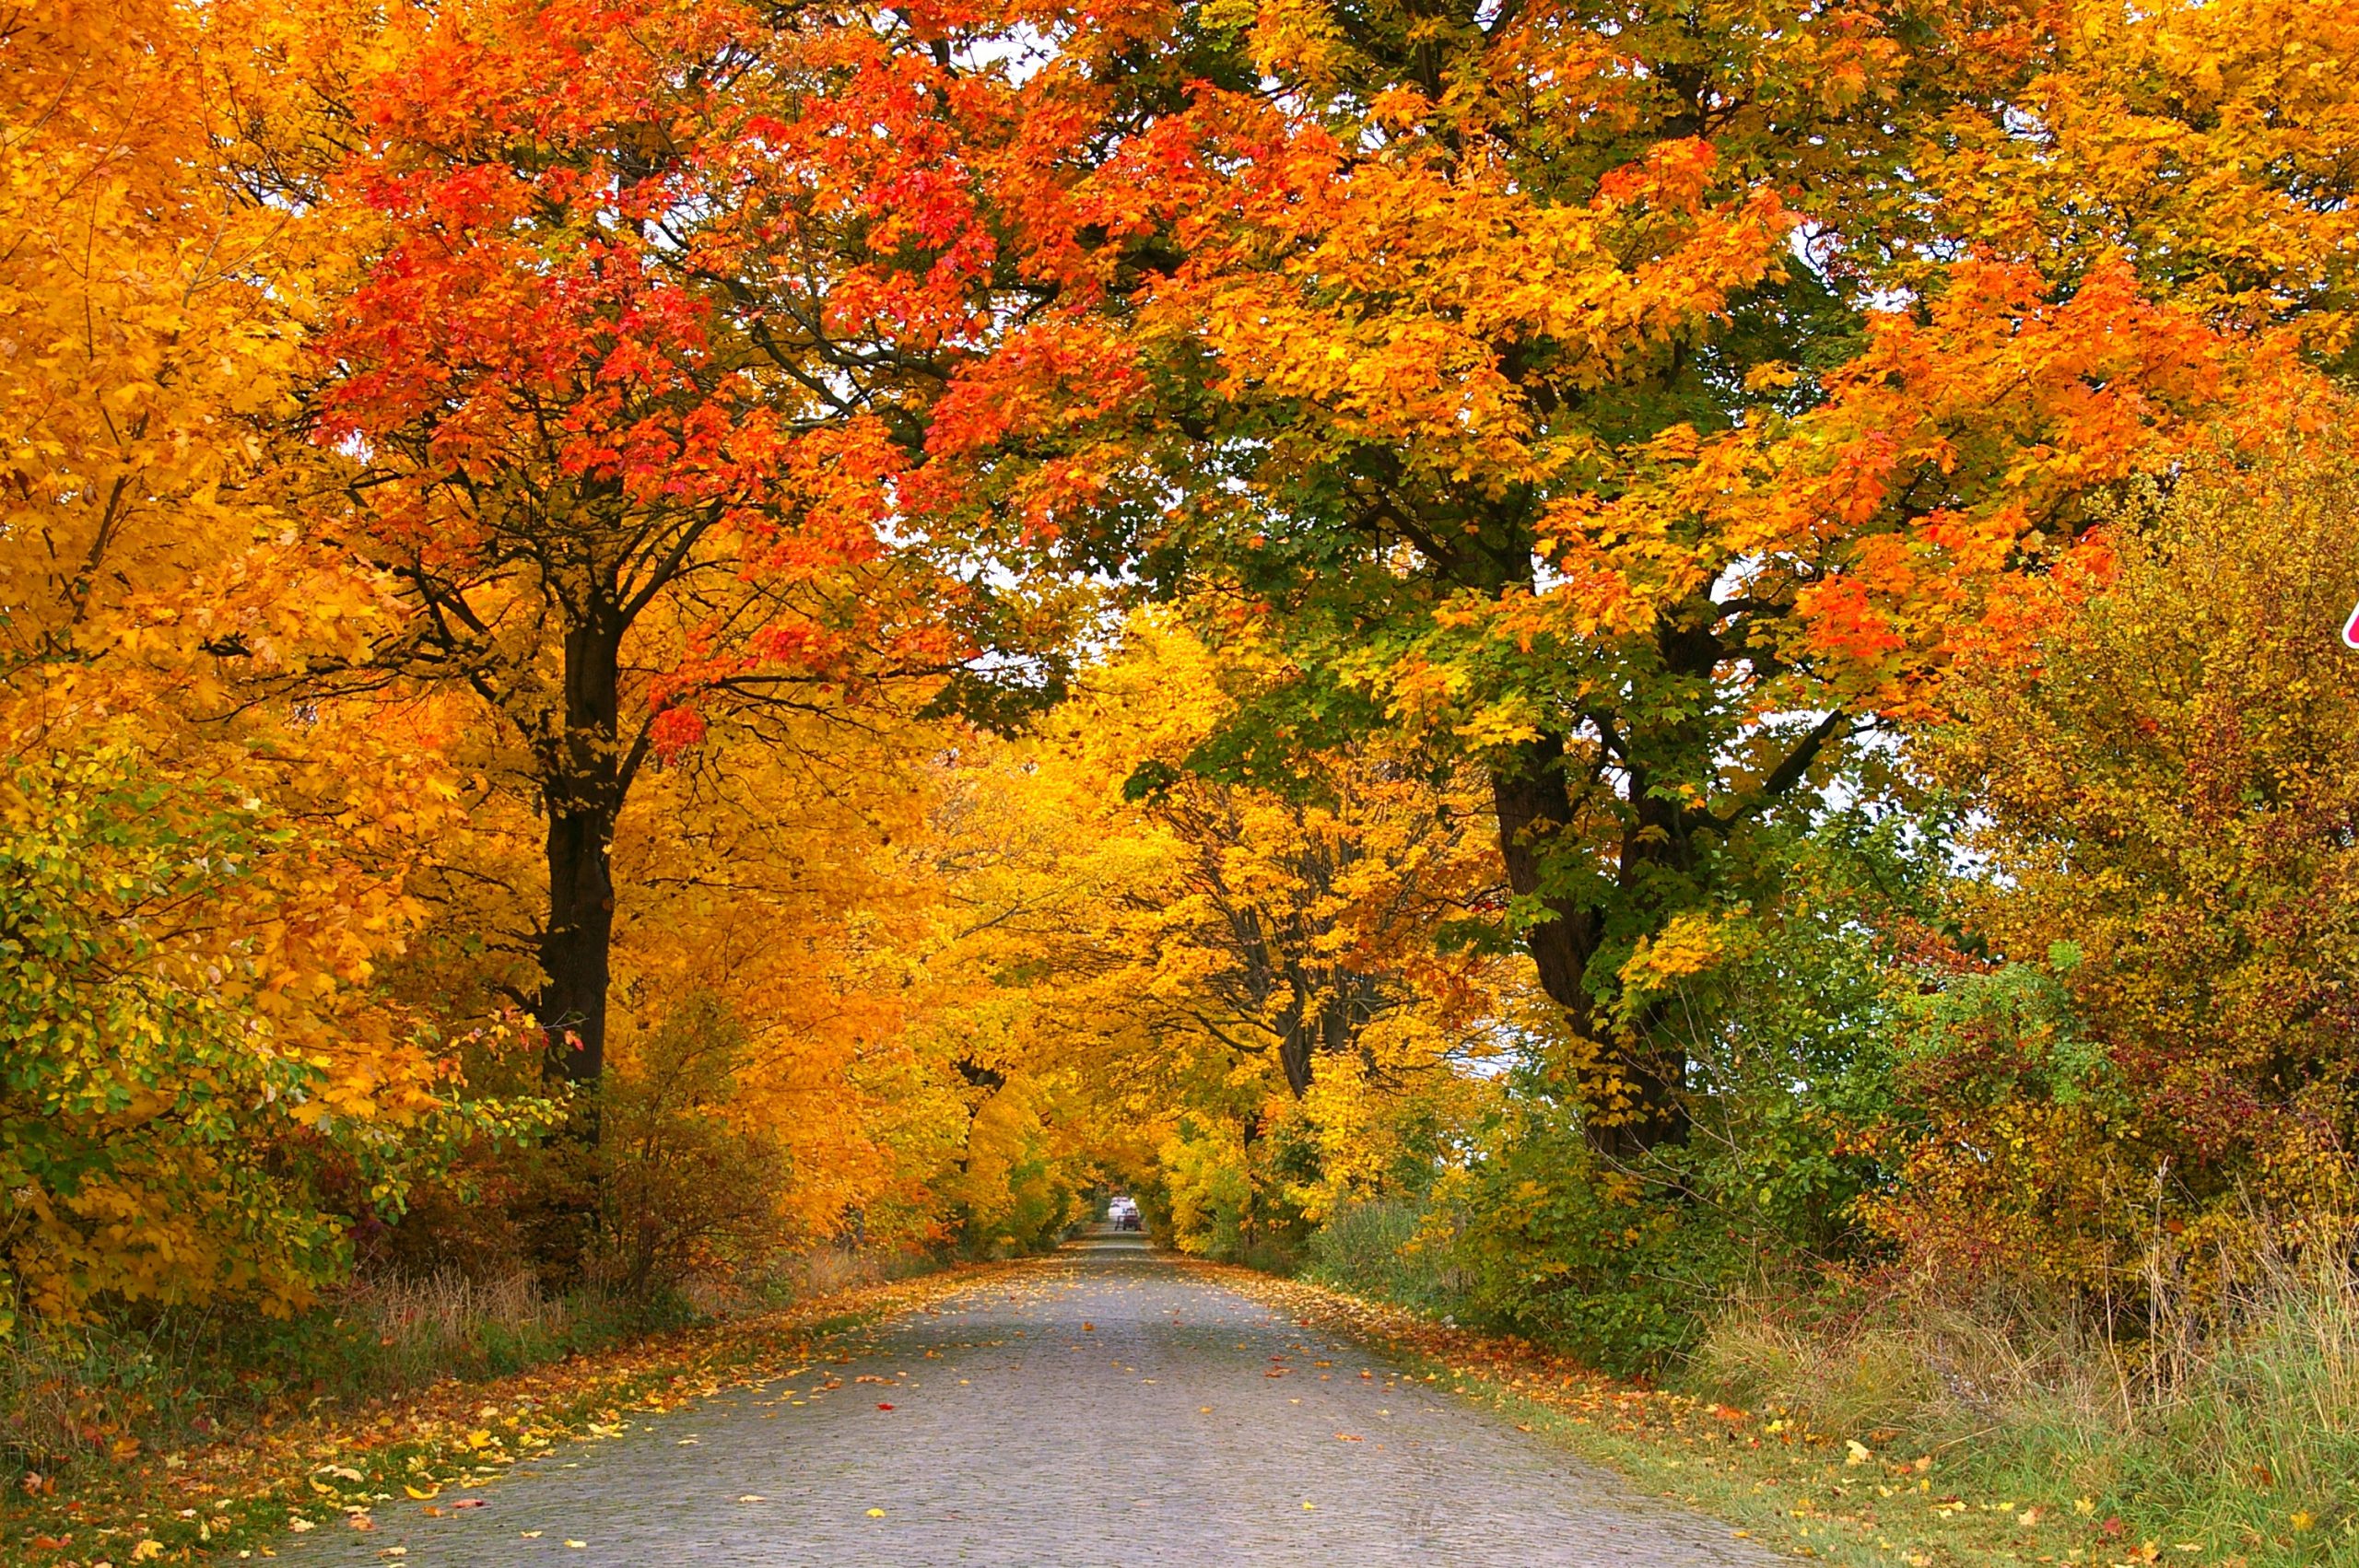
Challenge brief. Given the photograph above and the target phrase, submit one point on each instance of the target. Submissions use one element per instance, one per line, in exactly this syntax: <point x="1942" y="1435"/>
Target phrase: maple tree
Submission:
<point x="1234" y="995"/>
<point x="631" y="372"/>
<point x="143" y="357"/>
<point x="1618" y="396"/>
<point x="204" y="1081"/>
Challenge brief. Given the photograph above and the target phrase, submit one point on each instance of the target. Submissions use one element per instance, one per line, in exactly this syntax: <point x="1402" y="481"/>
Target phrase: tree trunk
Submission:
<point x="581" y="787"/>
<point x="1534" y="811"/>
<point x="1295" y="1039"/>
<point x="576" y="948"/>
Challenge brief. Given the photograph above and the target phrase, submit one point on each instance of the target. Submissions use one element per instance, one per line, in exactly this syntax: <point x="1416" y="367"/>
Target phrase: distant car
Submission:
<point x="1124" y="1213"/>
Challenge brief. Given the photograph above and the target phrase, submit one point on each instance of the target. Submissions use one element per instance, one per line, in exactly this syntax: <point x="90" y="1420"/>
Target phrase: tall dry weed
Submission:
<point x="2229" y="1396"/>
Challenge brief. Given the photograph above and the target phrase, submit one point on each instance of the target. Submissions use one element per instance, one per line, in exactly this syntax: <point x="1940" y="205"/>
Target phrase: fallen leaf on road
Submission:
<point x="1346" y="1437"/>
<point x="876" y="1512"/>
<point x="469" y="1502"/>
<point x="422" y="1496"/>
<point x="883" y="1406"/>
<point x="753" y="1497"/>
<point x="577" y="1545"/>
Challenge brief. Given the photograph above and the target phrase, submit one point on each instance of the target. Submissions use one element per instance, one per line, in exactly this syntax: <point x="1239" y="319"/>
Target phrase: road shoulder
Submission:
<point x="1795" y="1492"/>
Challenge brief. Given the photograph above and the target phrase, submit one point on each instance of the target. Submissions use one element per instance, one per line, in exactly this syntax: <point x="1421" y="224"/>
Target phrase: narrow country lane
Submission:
<point x="1103" y="1406"/>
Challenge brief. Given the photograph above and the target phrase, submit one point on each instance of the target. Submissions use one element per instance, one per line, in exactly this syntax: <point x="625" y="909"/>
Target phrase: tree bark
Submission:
<point x="583" y="786"/>
<point x="1535" y="809"/>
<point x="576" y="950"/>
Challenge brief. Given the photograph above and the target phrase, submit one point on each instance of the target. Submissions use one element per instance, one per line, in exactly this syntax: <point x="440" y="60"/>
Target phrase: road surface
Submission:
<point x="1103" y="1406"/>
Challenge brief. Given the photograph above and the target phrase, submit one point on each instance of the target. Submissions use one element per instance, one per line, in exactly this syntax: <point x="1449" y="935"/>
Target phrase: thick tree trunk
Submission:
<point x="1534" y="811"/>
<point x="577" y="946"/>
<point x="581" y="787"/>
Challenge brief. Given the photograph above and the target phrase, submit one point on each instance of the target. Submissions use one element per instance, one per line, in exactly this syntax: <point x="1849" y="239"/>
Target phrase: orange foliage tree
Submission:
<point x="206" y="1078"/>
<point x="631" y="374"/>
<point x="1638" y="402"/>
<point x="1183" y="970"/>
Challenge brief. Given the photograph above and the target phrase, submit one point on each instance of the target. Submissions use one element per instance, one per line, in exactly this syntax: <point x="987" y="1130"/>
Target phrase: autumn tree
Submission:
<point x="1311" y="912"/>
<point x="1232" y="994"/>
<point x="205" y="1082"/>
<point x="1637" y="401"/>
<point x="638" y="361"/>
<point x="1184" y="915"/>
<point x="2166" y="815"/>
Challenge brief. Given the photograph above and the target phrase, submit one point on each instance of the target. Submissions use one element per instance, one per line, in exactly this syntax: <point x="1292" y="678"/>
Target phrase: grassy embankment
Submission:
<point x="1906" y="1431"/>
<point x="203" y="1440"/>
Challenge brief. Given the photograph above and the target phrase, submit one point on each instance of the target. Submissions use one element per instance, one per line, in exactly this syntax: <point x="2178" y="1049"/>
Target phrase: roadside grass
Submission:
<point x="298" y="1465"/>
<point x="2043" y="1485"/>
<point x="2237" y="1429"/>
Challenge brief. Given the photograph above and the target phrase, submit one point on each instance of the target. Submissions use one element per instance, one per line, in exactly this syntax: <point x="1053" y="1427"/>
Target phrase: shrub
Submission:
<point x="2169" y="819"/>
<point x="196" y="1095"/>
<point x="686" y="1185"/>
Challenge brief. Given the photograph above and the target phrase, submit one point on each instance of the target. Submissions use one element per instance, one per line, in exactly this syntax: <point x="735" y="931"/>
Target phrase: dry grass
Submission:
<point x="450" y="1324"/>
<point x="173" y="1379"/>
<point x="2229" y="1414"/>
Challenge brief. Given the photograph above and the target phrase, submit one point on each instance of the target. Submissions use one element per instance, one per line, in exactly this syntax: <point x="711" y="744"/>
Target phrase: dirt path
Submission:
<point x="1100" y="1407"/>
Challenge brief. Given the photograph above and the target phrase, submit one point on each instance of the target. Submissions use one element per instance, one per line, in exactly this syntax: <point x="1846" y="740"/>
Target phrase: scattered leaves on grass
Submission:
<point x="1811" y="1494"/>
<point x="298" y="1470"/>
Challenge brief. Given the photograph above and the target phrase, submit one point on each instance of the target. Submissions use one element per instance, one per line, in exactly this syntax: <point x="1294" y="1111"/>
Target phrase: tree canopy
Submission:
<point x="1673" y="633"/>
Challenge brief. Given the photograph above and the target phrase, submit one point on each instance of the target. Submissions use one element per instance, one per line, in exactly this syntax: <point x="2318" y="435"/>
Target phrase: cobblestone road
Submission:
<point x="1100" y="1407"/>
